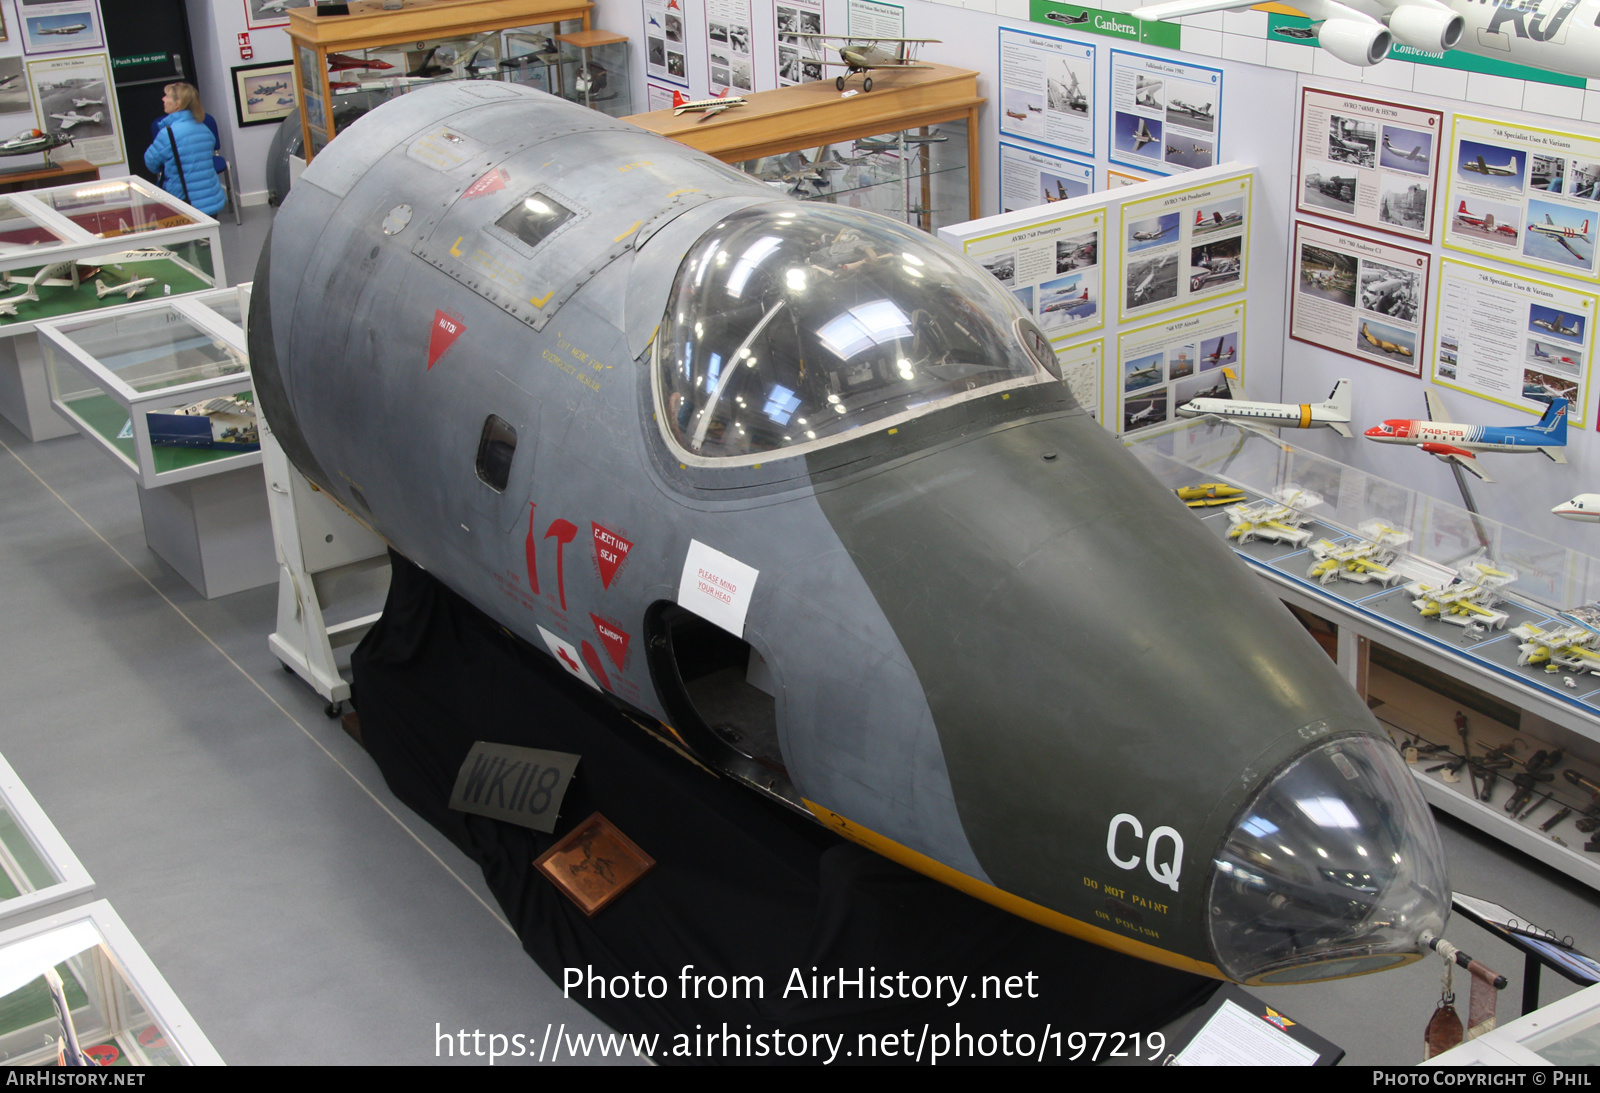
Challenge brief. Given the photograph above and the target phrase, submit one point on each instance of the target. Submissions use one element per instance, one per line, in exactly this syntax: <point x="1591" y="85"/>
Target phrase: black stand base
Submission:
<point x="742" y="888"/>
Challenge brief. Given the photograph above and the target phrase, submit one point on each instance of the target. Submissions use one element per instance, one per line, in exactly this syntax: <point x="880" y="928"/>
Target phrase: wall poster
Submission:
<point x="1047" y="89"/>
<point x="732" y="66"/>
<point x="1031" y="176"/>
<point x="75" y="94"/>
<point x="1082" y="366"/>
<point x="1184" y="245"/>
<point x="873" y="19"/>
<point x="799" y="59"/>
<point x="1524" y="194"/>
<point x="1359" y="296"/>
<point x="1165" y="116"/>
<point x="1513" y="340"/>
<point x="663" y="41"/>
<point x="61" y="26"/>
<point x="1369" y="162"/>
<point x="1053" y="269"/>
<point x="1163" y="366"/>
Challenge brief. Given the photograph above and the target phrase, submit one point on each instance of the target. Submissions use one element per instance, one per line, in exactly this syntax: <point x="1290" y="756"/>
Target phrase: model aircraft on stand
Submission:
<point x="1333" y="413"/>
<point x="1459" y="444"/>
<point x="1555" y="35"/>
<point x="836" y="386"/>
<point x="867" y="55"/>
<point x="706" y="108"/>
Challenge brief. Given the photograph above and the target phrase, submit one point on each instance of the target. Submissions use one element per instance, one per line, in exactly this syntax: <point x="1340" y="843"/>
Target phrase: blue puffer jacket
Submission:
<point x="196" y="147"/>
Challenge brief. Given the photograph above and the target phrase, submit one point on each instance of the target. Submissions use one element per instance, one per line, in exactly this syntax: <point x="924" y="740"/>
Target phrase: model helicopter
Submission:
<point x="798" y="436"/>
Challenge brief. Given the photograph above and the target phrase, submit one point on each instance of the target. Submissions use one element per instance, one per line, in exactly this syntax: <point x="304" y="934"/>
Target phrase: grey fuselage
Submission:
<point x="1000" y="651"/>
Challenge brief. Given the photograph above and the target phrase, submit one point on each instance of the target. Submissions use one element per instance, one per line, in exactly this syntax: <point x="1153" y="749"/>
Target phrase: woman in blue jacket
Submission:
<point x="183" y="151"/>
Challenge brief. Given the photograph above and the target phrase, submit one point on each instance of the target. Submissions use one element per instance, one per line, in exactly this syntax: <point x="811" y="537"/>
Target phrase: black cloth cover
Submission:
<point x="742" y="887"/>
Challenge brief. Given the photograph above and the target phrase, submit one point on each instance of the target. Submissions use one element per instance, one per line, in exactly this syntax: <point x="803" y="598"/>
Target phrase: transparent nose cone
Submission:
<point x="1334" y="870"/>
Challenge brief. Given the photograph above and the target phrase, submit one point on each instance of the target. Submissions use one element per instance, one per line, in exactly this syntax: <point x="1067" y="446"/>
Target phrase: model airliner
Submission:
<point x="1333" y="413"/>
<point x="729" y="458"/>
<point x="1459" y="444"/>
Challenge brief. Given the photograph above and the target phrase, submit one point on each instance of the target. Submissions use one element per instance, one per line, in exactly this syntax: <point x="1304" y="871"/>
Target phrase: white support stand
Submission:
<point x="326" y="561"/>
<point x="214" y="531"/>
<point x="25" y="392"/>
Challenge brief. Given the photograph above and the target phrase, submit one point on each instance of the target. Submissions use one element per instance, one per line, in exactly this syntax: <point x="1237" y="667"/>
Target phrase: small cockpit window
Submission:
<point x="496" y="447"/>
<point x="534" y="217"/>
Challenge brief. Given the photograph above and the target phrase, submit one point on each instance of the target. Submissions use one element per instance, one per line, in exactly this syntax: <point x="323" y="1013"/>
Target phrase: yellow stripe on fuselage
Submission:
<point x="1004" y="900"/>
<point x="1305" y="415"/>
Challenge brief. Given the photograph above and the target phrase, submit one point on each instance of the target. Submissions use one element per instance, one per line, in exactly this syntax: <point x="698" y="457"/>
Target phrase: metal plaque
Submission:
<point x="520" y="785"/>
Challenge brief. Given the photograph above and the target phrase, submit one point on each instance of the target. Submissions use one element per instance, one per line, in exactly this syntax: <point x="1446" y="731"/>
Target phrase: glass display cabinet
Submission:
<point x="595" y="71"/>
<point x="95" y="247"/>
<point x="37" y="868"/>
<point x="905" y="149"/>
<point x="1476" y="644"/>
<point x="163" y="388"/>
<point x="372" y="49"/>
<point x="1564" y="1033"/>
<point x="121" y="1012"/>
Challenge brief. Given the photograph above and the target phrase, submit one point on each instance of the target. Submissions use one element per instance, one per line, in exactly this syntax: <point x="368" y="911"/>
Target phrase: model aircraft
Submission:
<point x="1148" y="234"/>
<point x="1208" y="495"/>
<point x="892" y="144"/>
<point x="812" y="171"/>
<point x="1469" y="600"/>
<point x="1387" y="346"/>
<point x="867" y="55"/>
<point x="1556" y="326"/>
<point x="1141" y="136"/>
<point x="1219" y="219"/>
<point x="707" y="108"/>
<point x="1571" y="647"/>
<point x="33" y="140"/>
<point x="129" y="289"/>
<point x="1458" y="444"/>
<point x="72" y="117"/>
<point x="1585" y="508"/>
<point x="1477" y="166"/>
<point x="1563" y="235"/>
<point x="1555" y="36"/>
<point x="1068" y="20"/>
<point x="343" y="62"/>
<point x="1416" y="154"/>
<point x="69" y="28"/>
<point x="652" y="350"/>
<point x="1273" y="521"/>
<point x="1075" y="303"/>
<point x="67" y="274"/>
<point x="1334" y="413"/>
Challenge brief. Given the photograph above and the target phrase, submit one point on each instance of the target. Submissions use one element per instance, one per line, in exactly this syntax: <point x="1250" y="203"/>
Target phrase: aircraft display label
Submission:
<point x="1029" y="177"/>
<point x="1359" y="296"/>
<point x="716" y="587"/>
<point x="664" y="41"/>
<point x="1163" y="366"/>
<point x="447" y="327"/>
<point x="1053" y="268"/>
<point x="1369" y="162"/>
<point x="1523" y="194"/>
<point x="729" y="60"/>
<point x="1165" y="116"/>
<point x="1184" y="245"/>
<point x="610" y="551"/>
<point x="799" y="60"/>
<point x="568" y="657"/>
<point x="1047" y="89"/>
<point x="1513" y="340"/>
<point x="1082" y="368"/>
<point x="613" y="639"/>
<point x="866" y="18"/>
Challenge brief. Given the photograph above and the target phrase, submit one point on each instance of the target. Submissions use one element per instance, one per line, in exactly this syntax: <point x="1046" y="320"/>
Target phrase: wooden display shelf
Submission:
<point x="813" y="114"/>
<point x="59" y="173"/>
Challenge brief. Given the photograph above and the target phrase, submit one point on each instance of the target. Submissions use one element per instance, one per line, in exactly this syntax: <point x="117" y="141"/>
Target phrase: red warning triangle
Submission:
<point x="610" y="551"/>
<point x="446" y="329"/>
<point x="490" y="183"/>
<point x="612" y="639"/>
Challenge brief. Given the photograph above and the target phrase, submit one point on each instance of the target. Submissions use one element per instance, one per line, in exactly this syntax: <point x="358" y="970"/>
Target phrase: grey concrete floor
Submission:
<point x="299" y="910"/>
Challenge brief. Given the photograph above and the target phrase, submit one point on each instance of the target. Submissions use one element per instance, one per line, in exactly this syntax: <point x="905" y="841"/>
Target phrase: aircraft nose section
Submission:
<point x="1113" y="691"/>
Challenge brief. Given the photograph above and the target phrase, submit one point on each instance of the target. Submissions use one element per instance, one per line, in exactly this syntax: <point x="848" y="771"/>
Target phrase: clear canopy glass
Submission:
<point x="791" y="325"/>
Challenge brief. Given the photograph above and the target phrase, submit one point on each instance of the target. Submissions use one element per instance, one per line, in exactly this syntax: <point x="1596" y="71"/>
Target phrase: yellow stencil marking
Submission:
<point x="542" y="300"/>
<point x="631" y="229"/>
<point x="455" y="251"/>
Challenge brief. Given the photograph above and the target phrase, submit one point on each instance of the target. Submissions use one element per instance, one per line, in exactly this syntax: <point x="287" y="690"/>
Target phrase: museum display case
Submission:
<point x="77" y="249"/>
<point x="374" y="49"/>
<point x="595" y="71"/>
<point x="904" y="149"/>
<point x="1564" y="1033"/>
<point x="37" y="868"/>
<point x="1477" y="644"/>
<point x="122" y="1012"/>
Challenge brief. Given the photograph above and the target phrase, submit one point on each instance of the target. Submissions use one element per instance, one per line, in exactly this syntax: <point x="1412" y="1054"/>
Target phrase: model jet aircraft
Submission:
<point x="1584" y="508"/>
<point x="129" y="289"/>
<point x="343" y="62"/>
<point x="72" y="117"/>
<point x="868" y="55"/>
<point x="69" y="28"/>
<point x="1555" y="35"/>
<point x="1334" y="413"/>
<point x="33" y="140"/>
<point x="875" y="145"/>
<point x="1477" y="166"/>
<point x="1563" y="235"/>
<point x="707" y="108"/>
<point x="1068" y="20"/>
<point x="1458" y="444"/>
<point x="666" y="342"/>
<point x="1416" y="154"/>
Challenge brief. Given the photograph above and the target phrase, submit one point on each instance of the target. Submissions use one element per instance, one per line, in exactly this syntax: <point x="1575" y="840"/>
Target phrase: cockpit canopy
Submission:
<point x="792" y="325"/>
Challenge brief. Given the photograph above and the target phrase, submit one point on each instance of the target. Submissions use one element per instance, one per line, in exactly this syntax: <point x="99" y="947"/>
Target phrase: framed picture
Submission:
<point x="270" y="13"/>
<point x="264" y="93"/>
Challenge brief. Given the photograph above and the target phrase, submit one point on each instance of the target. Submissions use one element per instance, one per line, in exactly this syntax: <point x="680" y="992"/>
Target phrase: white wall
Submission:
<point x="214" y="27"/>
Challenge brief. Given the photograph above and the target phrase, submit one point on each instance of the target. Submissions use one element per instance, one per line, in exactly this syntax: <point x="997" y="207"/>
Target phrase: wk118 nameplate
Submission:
<point x="521" y="785"/>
